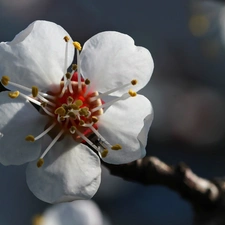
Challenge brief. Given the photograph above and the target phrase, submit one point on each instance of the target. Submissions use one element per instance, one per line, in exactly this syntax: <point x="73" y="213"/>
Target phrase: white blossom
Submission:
<point x="95" y="108"/>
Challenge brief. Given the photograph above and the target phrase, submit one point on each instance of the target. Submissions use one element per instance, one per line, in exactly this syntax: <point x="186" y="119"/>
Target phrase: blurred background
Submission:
<point x="187" y="41"/>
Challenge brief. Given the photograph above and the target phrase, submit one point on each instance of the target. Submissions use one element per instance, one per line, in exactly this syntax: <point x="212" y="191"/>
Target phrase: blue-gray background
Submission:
<point x="187" y="92"/>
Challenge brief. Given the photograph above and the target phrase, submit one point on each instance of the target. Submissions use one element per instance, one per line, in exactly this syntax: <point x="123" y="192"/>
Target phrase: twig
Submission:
<point x="203" y="194"/>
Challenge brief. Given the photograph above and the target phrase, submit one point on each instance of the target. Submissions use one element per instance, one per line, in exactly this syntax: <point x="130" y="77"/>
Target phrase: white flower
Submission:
<point x="92" y="109"/>
<point x="73" y="213"/>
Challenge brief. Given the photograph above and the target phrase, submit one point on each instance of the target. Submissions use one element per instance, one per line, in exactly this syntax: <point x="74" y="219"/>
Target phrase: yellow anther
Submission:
<point x="77" y="45"/>
<point x="116" y="147"/>
<point x="94" y="119"/>
<point x="72" y="115"/>
<point x="37" y="220"/>
<point x="5" y="80"/>
<point x="65" y="106"/>
<point x="134" y="82"/>
<point x="40" y="162"/>
<point x="72" y="129"/>
<point x="74" y="106"/>
<point x="87" y="81"/>
<point x="84" y="111"/>
<point x="60" y="111"/>
<point x="30" y="138"/>
<point x="34" y="91"/>
<point x="68" y="75"/>
<point x="14" y="94"/>
<point x="104" y="153"/>
<point x="74" y="67"/>
<point x="132" y="93"/>
<point x="66" y="38"/>
<point x="70" y="100"/>
<point x="81" y="123"/>
<point x="78" y="103"/>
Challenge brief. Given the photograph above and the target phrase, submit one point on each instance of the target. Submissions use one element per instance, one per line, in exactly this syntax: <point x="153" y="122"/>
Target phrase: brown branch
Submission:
<point x="206" y="196"/>
<point x="203" y="194"/>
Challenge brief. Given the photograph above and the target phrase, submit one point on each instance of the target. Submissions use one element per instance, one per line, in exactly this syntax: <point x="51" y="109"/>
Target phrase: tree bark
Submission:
<point x="206" y="196"/>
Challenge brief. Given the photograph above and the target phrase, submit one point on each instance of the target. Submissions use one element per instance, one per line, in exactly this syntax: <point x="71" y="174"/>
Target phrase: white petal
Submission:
<point x="110" y="59"/>
<point x="36" y="55"/>
<point x="127" y="123"/>
<point x="81" y="212"/>
<point x="18" y="118"/>
<point x="70" y="172"/>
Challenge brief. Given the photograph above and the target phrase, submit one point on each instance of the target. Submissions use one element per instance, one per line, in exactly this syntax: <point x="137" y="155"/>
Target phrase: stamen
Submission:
<point x="34" y="91"/>
<point x="78" y="71"/>
<point x="52" y="143"/>
<point x="63" y="89"/>
<point x="74" y="67"/>
<point x="132" y="93"/>
<point x="70" y="86"/>
<point x="43" y="105"/>
<point x="81" y="123"/>
<point x="87" y="82"/>
<point x="78" y="48"/>
<point x="116" y="147"/>
<point x="72" y="115"/>
<point x="31" y="138"/>
<point x="104" y="153"/>
<point x="123" y="97"/>
<point x="60" y="119"/>
<point x="70" y="100"/>
<point x="77" y="45"/>
<point x="66" y="38"/>
<point x="30" y="99"/>
<point x="94" y="119"/>
<point x="133" y="82"/>
<point x="47" y="95"/>
<point x="98" y="135"/>
<point x="72" y="129"/>
<point x="14" y="94"/>
<point x="79" y="103"/>
<point x="46" y="101"/>
<point x="68" y="75"/>
<point x="74" y="106"/>
<point x="87" y="140"/>
<point x="40" y="162"/>
<point x="84" y="111"/>
<point x="5" y="80"/>
<point x="60" y="111"/>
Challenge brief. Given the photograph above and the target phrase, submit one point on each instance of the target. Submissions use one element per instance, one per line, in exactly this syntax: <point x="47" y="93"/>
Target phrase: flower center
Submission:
<point x="75" y="110"/>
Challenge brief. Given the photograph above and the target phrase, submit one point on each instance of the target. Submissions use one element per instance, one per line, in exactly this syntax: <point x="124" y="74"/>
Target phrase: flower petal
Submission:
<point x="18" y="118"/>
<point x="36" y="56"/>
<point x="70" y="172"/>
<point x="127" y="123"/>
<point x="110" y="59"/>
<point x="81" y="212"/>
